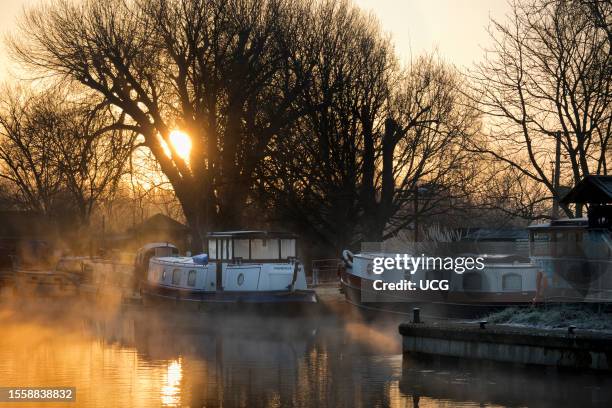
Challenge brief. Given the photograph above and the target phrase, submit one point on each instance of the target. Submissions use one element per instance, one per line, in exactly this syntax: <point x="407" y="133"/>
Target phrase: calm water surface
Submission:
<point x="142" y="358"/>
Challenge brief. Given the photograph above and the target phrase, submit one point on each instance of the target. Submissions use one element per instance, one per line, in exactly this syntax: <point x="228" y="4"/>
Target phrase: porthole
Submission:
<point x="240" y="279"/>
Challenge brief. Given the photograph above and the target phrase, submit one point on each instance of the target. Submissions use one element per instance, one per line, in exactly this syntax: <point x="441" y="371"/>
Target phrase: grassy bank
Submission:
<point x="554" y="317"/>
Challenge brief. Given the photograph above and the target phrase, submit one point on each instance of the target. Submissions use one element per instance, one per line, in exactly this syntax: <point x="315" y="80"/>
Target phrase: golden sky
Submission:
<point x="457" y="28"/>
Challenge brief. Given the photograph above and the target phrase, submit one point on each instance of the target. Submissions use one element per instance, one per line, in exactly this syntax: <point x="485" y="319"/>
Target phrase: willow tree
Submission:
<point x="221" y="71"/>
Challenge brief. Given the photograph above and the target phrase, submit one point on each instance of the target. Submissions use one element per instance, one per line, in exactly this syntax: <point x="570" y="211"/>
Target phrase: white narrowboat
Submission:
<point x="244" y="267"/>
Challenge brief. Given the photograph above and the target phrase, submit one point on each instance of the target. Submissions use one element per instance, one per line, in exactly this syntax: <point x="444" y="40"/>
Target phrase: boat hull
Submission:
<point x="437" y="305"/>
<point x="157" y="295"/>
<point x="44" y="283"/>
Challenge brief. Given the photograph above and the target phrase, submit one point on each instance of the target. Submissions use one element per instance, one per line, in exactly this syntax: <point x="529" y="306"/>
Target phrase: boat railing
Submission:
<point x="325" y="271"/>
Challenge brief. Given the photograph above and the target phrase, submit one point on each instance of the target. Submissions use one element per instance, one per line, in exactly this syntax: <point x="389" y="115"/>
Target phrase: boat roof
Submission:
<point x="180" y="260"/>
<point x="152" y="245"/>
<point x="251" y="234"/>
<point x="564" y="223"/>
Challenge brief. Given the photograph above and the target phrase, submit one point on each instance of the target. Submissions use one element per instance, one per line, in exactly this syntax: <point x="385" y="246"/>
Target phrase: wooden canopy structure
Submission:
<point x="596" y="192"/>
<point x="591" y="190"/>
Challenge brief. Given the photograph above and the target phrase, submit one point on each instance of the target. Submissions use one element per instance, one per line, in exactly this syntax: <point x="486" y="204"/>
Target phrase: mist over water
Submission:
<point x="130" y="356"/>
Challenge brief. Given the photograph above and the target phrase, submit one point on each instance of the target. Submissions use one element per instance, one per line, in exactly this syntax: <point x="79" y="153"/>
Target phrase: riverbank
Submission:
<point x="564" y="348"/>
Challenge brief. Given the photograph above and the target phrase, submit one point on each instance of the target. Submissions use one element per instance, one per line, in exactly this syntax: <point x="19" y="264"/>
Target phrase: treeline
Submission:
<point x="300" y="115"/>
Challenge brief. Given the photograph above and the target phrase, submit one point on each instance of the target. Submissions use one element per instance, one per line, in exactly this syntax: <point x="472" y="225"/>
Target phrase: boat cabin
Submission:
<point x="579" y="237"/>
<point x="249" y="246"/>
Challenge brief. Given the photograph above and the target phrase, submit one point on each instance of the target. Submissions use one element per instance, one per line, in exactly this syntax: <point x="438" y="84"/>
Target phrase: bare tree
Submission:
<point x="91" y="155"/>
<point x="372" y="135"/>
<point x="547" y="82"/>
<point x="312" y="178"/>
<point x="220" y="70"/>
<point x="61" y="155"/>
<point x="27" y="128"/>
<point x="424" y="164"/>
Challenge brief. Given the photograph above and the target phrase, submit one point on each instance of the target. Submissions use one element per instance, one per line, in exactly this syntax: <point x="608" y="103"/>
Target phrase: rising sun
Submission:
<point x="181" y="143"/>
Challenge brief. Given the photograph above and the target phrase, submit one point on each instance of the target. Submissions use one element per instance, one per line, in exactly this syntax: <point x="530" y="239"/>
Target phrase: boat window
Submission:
<point x="472" y="281"/>
<point x="176" y="276"/>
<point x="191" y="278"/>
<point x="512" y="281"/>
<point x="287" y="248"/>
<point x="541" y="244"/>
<point x="163" y="275"/>
<point x="223" y="249"/>
<point x="241" y="248"/>
<point x="265" y="248"/>
<point x="212" y="248"/>
<point x="229" y="251"/>
<point x="568" y="243"/>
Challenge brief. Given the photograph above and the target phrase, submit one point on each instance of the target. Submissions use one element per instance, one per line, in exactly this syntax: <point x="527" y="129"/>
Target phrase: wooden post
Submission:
<point x="556" y="176"/>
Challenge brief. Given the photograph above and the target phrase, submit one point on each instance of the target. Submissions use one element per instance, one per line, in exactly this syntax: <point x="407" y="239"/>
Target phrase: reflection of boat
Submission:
<point x="246" y="267"/>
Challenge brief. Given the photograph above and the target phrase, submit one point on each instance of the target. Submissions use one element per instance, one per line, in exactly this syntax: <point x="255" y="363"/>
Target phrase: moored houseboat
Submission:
<point x="570" y="261"/>
<point x="99" y="278"/>
<point x="35" y="274"/>
<point x="506" y="280"/>
<point x="239" y="267"/>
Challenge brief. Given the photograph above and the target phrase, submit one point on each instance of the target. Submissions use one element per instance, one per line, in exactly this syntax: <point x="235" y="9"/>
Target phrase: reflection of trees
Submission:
<point x="263" y="362"/>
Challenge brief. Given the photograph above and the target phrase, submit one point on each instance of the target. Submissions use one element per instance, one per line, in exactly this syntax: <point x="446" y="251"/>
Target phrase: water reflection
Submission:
<point x="146" y="358"/>
<point x="171" y="392"/>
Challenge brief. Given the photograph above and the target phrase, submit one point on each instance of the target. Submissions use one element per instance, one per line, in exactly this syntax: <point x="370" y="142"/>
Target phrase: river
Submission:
<point x="133" y="357"/>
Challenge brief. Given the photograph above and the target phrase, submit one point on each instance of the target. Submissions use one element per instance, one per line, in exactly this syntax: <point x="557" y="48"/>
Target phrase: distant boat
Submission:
<point x="35" y="275"/>
<point x="569" y="262"/>
<point x="506" y="280"/>
<point x="97" y="277"/>
<point x="239" y="267"/>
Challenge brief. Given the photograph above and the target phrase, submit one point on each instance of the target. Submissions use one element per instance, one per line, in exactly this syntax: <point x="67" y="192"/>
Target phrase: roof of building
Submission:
<point x="496" y="234"/>
<point x="591" y="190"/>
<point x="160" y="222"/>
<point x="563" y="223"/>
